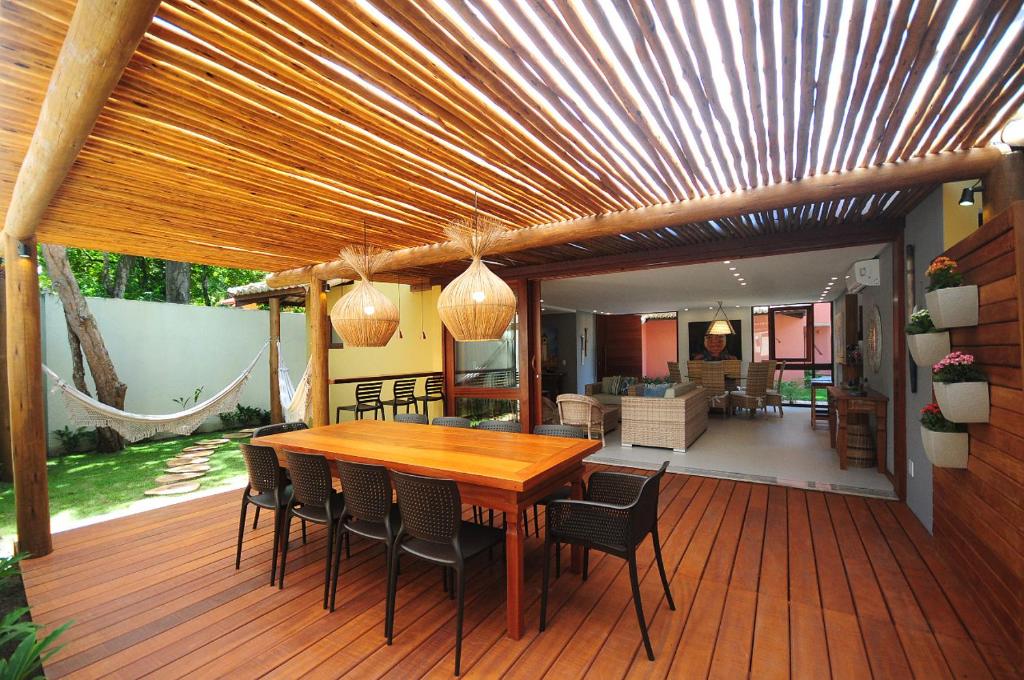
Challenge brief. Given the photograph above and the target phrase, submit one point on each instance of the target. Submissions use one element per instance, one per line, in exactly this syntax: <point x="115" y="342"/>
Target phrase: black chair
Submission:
<point x="313" y="499"/>
<point x="452" y="421"/>
<point x="432" y="529"/>
<point x="278" y="428"/>
<point x="569" y="432"/>
<point x="267" y="488"/>
<point x="433" y="390"/>
<point x="367" y="399"/>
<point x="403" y="395"/>
<point x="620" y="510"/>
<point x="478" y="513"/>
<point x="369" y="511"/>
<point x="500" y="425"/>
<point x="416" y="418"/>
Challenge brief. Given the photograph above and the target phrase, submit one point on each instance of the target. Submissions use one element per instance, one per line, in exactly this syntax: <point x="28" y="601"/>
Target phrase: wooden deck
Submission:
<point x="768" y="581"/>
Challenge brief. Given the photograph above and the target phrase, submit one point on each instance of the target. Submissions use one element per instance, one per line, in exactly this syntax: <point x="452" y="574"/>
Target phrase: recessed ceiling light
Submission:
<point x="727" y="262"/>
<point x="743" y="284"/>
<point x="732" y="269"/>
<point x="736" y="273"/>
<point x="737" y="306"/>
<point x="710" y="307"/>
<point x="595" y="311"/>
<point x="686" y="309"/>
<point x="847" y="276"/>
<point x="740" y="279"/>
<point x="835" y="278"/>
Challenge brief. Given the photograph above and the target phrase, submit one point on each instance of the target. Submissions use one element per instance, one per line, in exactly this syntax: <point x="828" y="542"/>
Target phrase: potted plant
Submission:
<point x="927" y="343"/>
<point x="951" y="303"/>
<point x="961" y="389"/>
<point x="945" y="442"/>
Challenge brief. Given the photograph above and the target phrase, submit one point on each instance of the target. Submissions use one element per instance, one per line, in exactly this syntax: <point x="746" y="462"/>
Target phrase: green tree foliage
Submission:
<point x="143" y="277"/>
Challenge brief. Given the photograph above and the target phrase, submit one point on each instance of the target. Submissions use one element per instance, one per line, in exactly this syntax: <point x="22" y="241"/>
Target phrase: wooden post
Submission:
<point x="25" y="381"/>
<point x="1003" y="185"/>
<point x="6" y="462"/>
<point x="276" y="415"/>
<point x="318" y="352"/>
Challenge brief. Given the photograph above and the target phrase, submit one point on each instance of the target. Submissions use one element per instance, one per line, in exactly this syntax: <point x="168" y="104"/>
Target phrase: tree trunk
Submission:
<point x="77" y="362"/>
<point x="177" y="276"/>
<point x="109" y="388"/>
<point x="124" y="268"/>
<point x="205" y="283"/>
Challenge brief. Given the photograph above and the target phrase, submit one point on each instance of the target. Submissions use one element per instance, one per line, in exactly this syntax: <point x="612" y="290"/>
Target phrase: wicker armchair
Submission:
<point x="619" y="511"/>
<point x="713" y="380"/>
<point x="773" y="397"/>
<point x="754" y="395"/>
<point x="694" y="369"/>
<point x="674" y="376"/>
<point x="581" y="411"/>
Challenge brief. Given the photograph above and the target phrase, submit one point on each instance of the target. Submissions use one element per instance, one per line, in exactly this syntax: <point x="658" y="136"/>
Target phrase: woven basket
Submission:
<point x="860" y="446"/>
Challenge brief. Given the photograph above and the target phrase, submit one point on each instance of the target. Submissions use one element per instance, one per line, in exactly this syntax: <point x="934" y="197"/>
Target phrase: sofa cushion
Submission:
<point x="680" y="389"/>
<point x="608" y="399"/>
<point x="610" y="384"/>
<point x="654" y="390"/>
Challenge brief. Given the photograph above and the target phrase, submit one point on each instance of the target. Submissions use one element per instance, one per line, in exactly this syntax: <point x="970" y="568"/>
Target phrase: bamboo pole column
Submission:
<point x="318" y="352"/>
<point x="6" y="463"/>
<point x="25" y="383"/>
<point x="276" y="415"/>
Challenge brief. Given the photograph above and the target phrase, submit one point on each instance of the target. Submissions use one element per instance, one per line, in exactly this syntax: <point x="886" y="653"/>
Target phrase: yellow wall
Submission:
<point x="959" y="221"/>
<point x="410" y="354"/>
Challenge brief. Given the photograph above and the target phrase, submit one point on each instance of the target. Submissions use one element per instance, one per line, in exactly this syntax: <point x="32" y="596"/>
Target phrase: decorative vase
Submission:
<point x="945" y="449"/>
<point x="928" y="348"/>
<point x="953" y="307"/>
<point x="965" y="402"/>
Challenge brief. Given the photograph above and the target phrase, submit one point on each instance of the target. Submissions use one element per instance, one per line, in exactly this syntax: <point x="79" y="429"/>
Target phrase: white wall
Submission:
<point x="586" y="365"/>
<point x="162" y="351"/>
<point x="743" y="314"/>
<point x="882" y="379"/>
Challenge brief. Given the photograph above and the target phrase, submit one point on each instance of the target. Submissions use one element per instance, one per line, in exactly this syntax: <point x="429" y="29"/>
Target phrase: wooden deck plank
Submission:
<point x="768" y="582"/>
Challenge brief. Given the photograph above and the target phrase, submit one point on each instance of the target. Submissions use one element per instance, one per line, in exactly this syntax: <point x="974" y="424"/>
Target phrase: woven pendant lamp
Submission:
<point x="720" y="324"/>
<point x="365" y="317"/>
<point x="477" y="305"/>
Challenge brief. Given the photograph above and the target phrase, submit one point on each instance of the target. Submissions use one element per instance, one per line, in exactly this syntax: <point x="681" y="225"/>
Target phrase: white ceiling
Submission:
<point x="774" y="280"/>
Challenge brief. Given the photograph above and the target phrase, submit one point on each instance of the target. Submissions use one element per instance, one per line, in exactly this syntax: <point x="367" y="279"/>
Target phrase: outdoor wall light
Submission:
<point x="24" y="250"/>
<point x="967" y="195"/>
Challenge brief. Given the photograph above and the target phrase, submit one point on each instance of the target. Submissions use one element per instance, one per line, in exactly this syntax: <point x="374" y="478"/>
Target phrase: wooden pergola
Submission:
<point x="265" y="135"/>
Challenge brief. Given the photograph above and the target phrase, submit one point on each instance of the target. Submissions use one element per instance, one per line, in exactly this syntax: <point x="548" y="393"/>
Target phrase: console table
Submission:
<point x="842" y="403"/>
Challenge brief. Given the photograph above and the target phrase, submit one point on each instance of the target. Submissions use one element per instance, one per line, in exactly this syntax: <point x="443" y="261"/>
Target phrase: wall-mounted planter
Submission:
<point x="945" y="449"/>
<point x="965" y="402"/>
<point x="953" y="307"/>
<point x="928" y="349"/>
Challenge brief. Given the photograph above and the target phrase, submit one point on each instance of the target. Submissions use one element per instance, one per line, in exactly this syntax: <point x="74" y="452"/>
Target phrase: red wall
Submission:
<point x="660" y="346"/>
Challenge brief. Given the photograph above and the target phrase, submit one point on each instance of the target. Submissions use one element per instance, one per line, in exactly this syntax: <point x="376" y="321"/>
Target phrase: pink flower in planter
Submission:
<point x="957" y="358"/>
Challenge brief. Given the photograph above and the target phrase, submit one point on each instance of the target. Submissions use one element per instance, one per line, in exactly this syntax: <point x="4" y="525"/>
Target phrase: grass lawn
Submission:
<point x="84" y="485"/>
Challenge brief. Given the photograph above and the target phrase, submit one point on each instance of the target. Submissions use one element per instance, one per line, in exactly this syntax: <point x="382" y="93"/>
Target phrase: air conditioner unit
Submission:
<point x="862" y="274"/>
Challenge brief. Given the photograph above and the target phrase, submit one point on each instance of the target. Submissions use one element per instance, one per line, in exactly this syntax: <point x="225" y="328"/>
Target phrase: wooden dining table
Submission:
<point x="505" y="471"/>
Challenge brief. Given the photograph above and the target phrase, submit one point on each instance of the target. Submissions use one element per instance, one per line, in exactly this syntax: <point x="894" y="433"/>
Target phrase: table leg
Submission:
<point x="576" y="563"/>
<point x="841" y="439"/>
<point x="514" y="575"/>
<point x="881" y="436"/>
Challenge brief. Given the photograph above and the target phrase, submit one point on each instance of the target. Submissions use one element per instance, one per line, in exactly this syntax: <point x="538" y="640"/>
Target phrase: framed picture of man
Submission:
<point x="714" y="347"/>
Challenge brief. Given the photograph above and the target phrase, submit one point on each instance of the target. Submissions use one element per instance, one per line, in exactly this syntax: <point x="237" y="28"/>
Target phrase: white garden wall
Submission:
<point x="162" y="351"/>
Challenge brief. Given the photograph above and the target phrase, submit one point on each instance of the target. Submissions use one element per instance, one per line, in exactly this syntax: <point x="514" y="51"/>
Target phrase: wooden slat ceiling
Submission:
<point x="263" y="134"/>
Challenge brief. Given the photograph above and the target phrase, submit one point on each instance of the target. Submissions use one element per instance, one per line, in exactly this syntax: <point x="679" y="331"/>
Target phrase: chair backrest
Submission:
<point x="265" y="473"/>
<point x="311" y="478"/>
<point x="435" y="385"/>
<point x="431" y="508"/>
<point x="405" y="389"/>
<point x="713" y="376"/>
<point x="369" y="392"/>
<point x="693" y="370"/>
<point x="278" y="428"/>
<point x="367" y="490"/>
<point x="452" y="421"/>
<point x="417" y="418"/>
<point x="781" y="369"/>
<point x="733" y="368"/>
<point x="561" y="431"/>
<point x="673" y="372"/>
<point x="645" y="511"/>
<point x="500" y="425"/>
<point x="757" y="379"/>
<point x="578" y="409"/>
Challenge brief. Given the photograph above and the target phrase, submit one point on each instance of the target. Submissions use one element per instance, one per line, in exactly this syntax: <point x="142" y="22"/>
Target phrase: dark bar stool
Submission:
<point x="433" y="390"/>
<point x="432" y="530"/>
<point x="404" y="395"/>
<point x="367" y="399"/>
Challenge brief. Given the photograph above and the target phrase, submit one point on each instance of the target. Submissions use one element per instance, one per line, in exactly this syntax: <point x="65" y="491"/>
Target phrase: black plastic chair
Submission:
<point x="403" y="393"/>
<point x="620" y="510"/>
<point x="415" y="418"/>
<point x="569" y="432"/>
<point x="367" y="399"/>
<point x="267" y="488"/>
<point x="478" y="513"/>
<point x="313" y="499"/>
<point x="452" y="421"/>
<point x="369" y="511"/>
<point x="278" y="428"/>
<point x="433" y="390"/>
<point x="500" y="425"/>
<point x="433" y="530"/>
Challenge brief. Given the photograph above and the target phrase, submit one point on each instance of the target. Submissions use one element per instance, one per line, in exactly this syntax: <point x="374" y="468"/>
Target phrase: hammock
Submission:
<point x="295" y="399"/>
<point x="88" y="412"/>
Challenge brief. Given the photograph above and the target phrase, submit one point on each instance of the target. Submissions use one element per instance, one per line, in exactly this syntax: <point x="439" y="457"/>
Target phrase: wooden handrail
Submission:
<point x="396" y="376"/>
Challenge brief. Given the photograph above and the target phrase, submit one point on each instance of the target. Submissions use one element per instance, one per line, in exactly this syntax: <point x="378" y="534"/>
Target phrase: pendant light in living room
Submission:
<point x="720" y="324"/>
<point x="477" y="305"/>
<point x="365" y="317"/>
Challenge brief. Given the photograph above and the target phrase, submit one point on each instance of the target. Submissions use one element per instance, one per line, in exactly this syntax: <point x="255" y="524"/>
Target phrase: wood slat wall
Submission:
<point x="979" y="512"/>
<point x="619" y="345"/>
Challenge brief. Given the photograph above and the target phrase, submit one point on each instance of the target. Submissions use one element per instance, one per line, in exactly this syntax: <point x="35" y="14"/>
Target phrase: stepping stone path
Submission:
<point x="173" y="489"/>
<point x="179" y="477"/>
<point x="175" y="462"/>
<point x="238" y="435"/>
<point x="188" y="468"/>
<point x="204" y="455"/>
<point x="214" y="442"/>
<point x="193" y="449"/>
